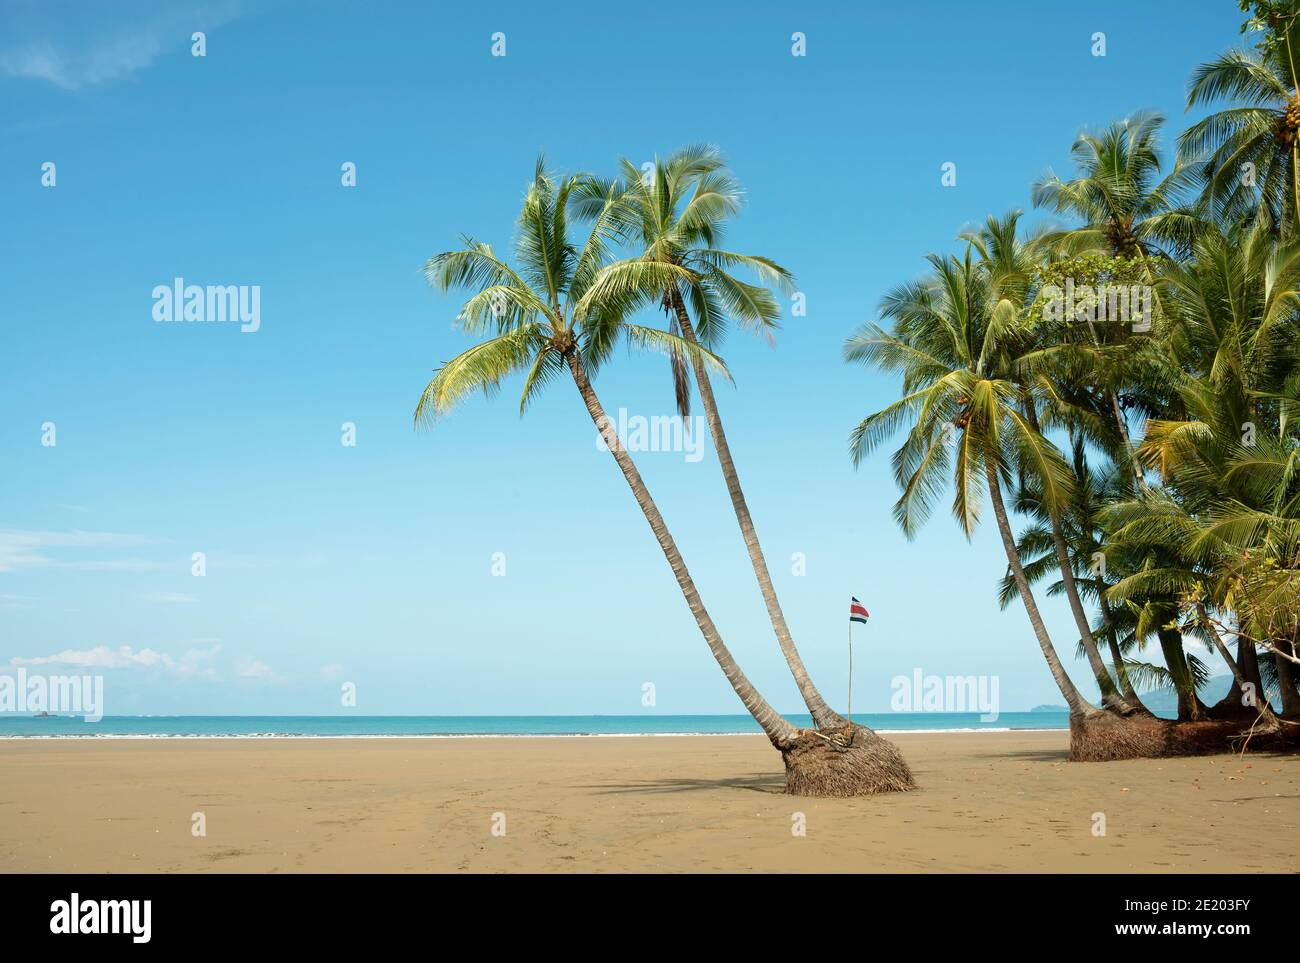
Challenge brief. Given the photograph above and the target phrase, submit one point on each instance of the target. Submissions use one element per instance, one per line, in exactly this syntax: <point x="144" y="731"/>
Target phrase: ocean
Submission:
<point x="126" y="727"/>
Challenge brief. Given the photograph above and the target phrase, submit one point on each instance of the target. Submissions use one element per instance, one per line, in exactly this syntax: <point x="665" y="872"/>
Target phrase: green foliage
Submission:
<point x="1171" y="454"/>
<point x="1093" y="269"/>
<point x="680" y="213"/>
<point x="564" y="299"/>
<point x="1271" y="19"/>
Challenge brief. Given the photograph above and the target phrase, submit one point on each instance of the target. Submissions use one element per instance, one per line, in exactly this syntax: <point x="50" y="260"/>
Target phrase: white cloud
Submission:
<point x="331" y="672"/>
<point x="193" y="663"/>
<point x="65" y="44"/>
<point x="255" y="670"/>
<point x="71" y="69"/>
<point x="31" y="549"/>
<point x="100" y="657"/>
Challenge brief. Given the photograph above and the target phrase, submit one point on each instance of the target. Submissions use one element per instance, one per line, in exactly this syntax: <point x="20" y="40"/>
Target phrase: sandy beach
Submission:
<point x="988" y="802"/>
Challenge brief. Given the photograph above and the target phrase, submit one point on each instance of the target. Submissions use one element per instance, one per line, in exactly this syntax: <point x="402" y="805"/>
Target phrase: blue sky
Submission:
<point x="373" y="564"/>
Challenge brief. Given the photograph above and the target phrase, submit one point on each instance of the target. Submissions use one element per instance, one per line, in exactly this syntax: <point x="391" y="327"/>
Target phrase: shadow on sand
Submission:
<point x="1033" y="755"/>
<point x="773" y="784"/>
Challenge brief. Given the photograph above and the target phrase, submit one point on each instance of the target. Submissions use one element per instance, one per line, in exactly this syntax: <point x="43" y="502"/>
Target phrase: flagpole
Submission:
<point x="850" y="671"/>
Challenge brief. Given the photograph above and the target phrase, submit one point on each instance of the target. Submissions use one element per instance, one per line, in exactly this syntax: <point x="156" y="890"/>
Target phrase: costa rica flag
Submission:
<point x="857" y="611"/>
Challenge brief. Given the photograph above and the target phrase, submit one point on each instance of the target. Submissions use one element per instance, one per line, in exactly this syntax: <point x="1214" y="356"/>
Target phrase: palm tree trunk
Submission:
<point x="823" y="715"/>
<point x="778" y="731"/>
<point x="1117" y="657"/>
<point x="1240" y="681"/>
<point x="1120" y="421"/>
<point x="1190" y="707"/>
<point x="1286" y="680"/>
<point x="1110" y="697"/>
<point x="1077" y="704"/>
<point x="1249" y="662"/>
<point x="1295" y="174"/>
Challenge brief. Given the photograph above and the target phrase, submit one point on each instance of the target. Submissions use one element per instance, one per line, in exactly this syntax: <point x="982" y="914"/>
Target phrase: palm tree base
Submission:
<point x="1230" y="708"/>
<point x="847" y="761"/>
<point x="1108" y="736"/>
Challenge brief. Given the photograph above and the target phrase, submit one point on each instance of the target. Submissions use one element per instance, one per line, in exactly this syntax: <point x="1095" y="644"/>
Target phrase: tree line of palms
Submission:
<point x="591" y="255"/>
<point x="1154" y="461"/>
<point x="1158" y="469"/>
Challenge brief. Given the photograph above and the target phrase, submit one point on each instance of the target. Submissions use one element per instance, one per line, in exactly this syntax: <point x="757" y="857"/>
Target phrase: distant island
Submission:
<point x="1164" y="701"/>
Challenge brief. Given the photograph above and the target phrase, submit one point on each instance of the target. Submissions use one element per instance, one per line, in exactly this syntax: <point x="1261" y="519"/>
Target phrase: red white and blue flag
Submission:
<point x="857" y="611"/>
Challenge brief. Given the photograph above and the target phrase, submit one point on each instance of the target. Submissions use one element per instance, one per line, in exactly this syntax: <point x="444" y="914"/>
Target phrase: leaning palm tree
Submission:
<point x="1008" y="266"/>
<point x="562" y="310"/>
<point x="1081" y="529"/>
<point x="681" y="207"/>
<point x="961" y="418"/>
<point x="952" y="340"/>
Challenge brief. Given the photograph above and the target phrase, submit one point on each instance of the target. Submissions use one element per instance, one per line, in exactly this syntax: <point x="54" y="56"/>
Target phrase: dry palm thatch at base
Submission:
<point x="1108" y="736"/>
<point x="847" y="761"/>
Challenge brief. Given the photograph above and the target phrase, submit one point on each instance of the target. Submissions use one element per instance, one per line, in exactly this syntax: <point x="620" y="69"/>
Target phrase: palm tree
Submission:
<point x="1009" y="267"/>
<point x="1265" y="587"/>
<point x="1081" y="529"/>
<point x="958" y="341"/>
<point x="1226" y="450"/>
<point x="563" y="309"/>
<point x="1100" y="370"/>
<point x="1248" y="155"/>
<point x="947" y="338"/>
<point x="1128" y="210"/>
<point x="681" y="209"/>
<point x="1160" y="574"/>
<point x="1178" y="590"/>
<point x="1224" y="501"/>
<point x="1128" y="214"/>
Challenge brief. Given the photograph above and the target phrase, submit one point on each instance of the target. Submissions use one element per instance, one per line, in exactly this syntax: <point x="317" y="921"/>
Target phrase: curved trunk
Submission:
<point x="1110" y="697"/>
<point x="1240" y="684"/>
<point x="1073" y="698"/>
<point x="1190" y="707"/>
<point x="823" y="715"/>
<point x="779" y="732"/>
<point x="1117" y="657"/>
